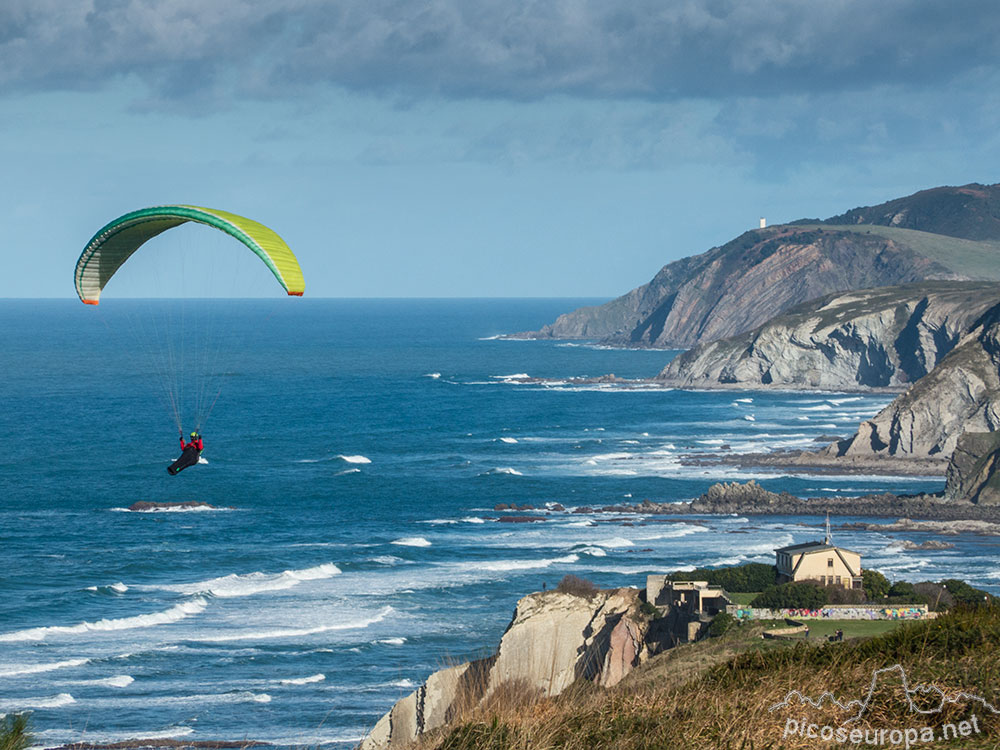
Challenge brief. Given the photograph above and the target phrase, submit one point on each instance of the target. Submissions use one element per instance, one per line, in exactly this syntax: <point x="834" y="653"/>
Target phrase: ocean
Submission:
<point x="355" y="454"/>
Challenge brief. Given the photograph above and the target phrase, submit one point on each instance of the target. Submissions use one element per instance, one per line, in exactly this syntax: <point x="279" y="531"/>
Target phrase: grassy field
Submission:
<point x="977" y="260"/>
<point x="820" y="629"/>
<point x="743" y="599"/>
<point x="727" y="692"/>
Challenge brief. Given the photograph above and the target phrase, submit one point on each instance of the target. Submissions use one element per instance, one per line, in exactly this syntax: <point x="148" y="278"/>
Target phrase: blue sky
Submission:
<point x="488" y="148"/>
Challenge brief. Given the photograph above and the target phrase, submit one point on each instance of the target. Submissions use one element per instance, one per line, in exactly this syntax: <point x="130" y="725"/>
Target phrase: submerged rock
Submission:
<point x="144" y="505"/>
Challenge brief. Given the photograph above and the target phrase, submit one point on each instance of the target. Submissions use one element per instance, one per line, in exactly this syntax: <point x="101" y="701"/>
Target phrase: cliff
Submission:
<point x="553" y="639"/>
<point x="873" y="338"/>
<point x="961" y="394"/>
<point x="974" y="470"/>
<point x="740" y="285"/>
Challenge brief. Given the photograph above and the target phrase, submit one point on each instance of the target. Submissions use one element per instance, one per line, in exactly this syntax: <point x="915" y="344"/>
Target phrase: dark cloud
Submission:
<point x="508" y="49"/>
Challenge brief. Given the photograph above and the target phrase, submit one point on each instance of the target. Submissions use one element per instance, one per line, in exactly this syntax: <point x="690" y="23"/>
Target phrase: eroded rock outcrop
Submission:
<point x="974" y="470"/>
<point x="554" y="639"/>
<point x="961" y="394"/>
<point x="873" y="338"/>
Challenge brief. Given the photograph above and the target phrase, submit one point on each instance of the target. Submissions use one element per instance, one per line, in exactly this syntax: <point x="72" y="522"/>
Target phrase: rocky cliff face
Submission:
<point x="961" y="394"/>
<point x="974" y="470"/>
<point x="874" y="338"/>
<point x="553" y="639"/>
<point x="741" y="285"/>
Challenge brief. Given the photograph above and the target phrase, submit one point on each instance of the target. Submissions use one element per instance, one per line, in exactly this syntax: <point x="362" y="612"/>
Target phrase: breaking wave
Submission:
<point x="175" y="613"/>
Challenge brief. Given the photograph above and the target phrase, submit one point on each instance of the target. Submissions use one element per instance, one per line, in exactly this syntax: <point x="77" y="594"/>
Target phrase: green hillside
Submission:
<point x="977" y="260"/>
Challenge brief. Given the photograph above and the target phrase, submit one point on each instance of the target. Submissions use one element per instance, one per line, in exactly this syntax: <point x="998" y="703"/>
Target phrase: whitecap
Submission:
<point x="592" y="551"/>
<point x="302" y="680"/>
<point x="503" y="470"/>
<point x="508" y="440"/>
<point x="392" y="641"/>
<point x="744" y="400"/>
<point x="750" y="418"/>
<point x="411" y="541"/>
<point x="387" y="560"/>
<point x="22" y="669"/>
<point x="347" y="471"/>
<point x="118" y="681"/>
<point x="175" y="613"/>
<point x="614" y="542"/>
<point x="507" y="565"/>
<point x="234" y="585"/>
<point x="258" y="635"/>
<point x="24" y="704"/>
<point x="433" y="375"/>
<point x="474" y="519"/>
<point x="355" y="459"/>
<point x="820" y="407"/>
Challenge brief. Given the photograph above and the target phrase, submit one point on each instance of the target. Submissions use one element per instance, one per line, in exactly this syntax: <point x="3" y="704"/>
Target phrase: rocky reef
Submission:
<point x="554" y="639"/>
<point x="883" y="338"/>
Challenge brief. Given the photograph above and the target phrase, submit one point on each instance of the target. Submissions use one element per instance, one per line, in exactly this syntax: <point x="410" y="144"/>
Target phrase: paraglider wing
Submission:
<point x="116" y="242"/>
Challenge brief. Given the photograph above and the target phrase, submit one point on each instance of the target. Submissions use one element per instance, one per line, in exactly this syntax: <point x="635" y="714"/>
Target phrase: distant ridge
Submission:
<point x="938" y="234"/>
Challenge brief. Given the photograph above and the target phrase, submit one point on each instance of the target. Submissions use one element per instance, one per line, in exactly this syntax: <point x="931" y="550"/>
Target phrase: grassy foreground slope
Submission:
<point x="719" y="694"/>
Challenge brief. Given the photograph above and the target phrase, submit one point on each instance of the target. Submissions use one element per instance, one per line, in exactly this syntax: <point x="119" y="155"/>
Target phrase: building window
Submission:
<point x="829" y="562"/>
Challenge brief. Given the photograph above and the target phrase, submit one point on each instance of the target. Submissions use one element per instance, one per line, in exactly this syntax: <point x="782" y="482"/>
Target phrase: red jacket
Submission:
<point x="197" y="443"/>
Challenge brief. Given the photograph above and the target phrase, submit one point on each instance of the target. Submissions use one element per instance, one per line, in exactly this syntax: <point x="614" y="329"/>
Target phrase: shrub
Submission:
<point x="14" y="733"/>
<point x="571" y="584"/>
<point x="720" y="624"/>
<point x="935" y="595"/>
<point x="902" y="588"/>
<point x="839" y="595"/>
<point x="648" y="609"/>
<point x="793" y="595"/>
<point x="737" y="579"/>
<point x="875" y="584"/>
<point x="966" y="594"/>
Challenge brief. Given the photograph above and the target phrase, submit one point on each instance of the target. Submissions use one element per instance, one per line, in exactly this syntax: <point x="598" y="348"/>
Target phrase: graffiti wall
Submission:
<point x="832" y="612"/>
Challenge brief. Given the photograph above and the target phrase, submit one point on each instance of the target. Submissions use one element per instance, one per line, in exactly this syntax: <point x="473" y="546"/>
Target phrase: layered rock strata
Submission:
<point x="884" y="338"/>
<point x="553" y="639"/>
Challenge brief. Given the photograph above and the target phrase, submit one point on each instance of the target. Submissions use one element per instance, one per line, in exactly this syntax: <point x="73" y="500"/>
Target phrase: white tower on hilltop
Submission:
<point x="763" y="222"/>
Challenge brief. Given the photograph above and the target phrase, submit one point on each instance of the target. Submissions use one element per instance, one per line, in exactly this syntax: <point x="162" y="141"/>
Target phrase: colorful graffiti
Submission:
<point x="833" y="612"/>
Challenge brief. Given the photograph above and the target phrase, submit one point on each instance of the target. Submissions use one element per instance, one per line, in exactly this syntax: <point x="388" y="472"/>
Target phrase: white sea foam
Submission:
<point x="440" y="521"/>
<point x="503" y="470"/>
<point x="174" y="509"/>
<point x="411" y="541"/>
<point x="713" y="441"/>
<point x="118" y="588"/>
<point x="303" y="680"/>
<point x="355" y="459"/>
<point x="24" y="704"/>
<point x="819" y="407"/>
<point x="403" y="684"/>
<point x="508" y="440"/>
<point x="175" y="613"/>
<point x="507" y="565"/>
<point x="750" y="418"/>
<point x="433" y="375"/>
<point x="474" y="519"/>
<point x="387" y="560"/>
<point x="277" y="633"/>
<point x="248" y="584"/>
<point x="614" y="542"/>
<point x="392" y="641"/>
<point x="23" y="669"/>
<point x="592" y="551"/>
<point x="347" y="471"/>
<point x="744" y="400"/>
<point x="118" y="681"/>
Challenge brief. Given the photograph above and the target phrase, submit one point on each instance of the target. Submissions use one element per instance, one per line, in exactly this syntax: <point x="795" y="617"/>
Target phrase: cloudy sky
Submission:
<point x="482" y="147"/>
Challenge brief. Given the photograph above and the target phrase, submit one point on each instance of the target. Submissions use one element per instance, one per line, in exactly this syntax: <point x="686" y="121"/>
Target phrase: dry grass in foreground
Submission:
<point x="719" y="694"/>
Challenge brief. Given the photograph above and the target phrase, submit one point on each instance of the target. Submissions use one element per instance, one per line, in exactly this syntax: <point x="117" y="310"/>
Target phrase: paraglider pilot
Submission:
<point x="190" y="453"/>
